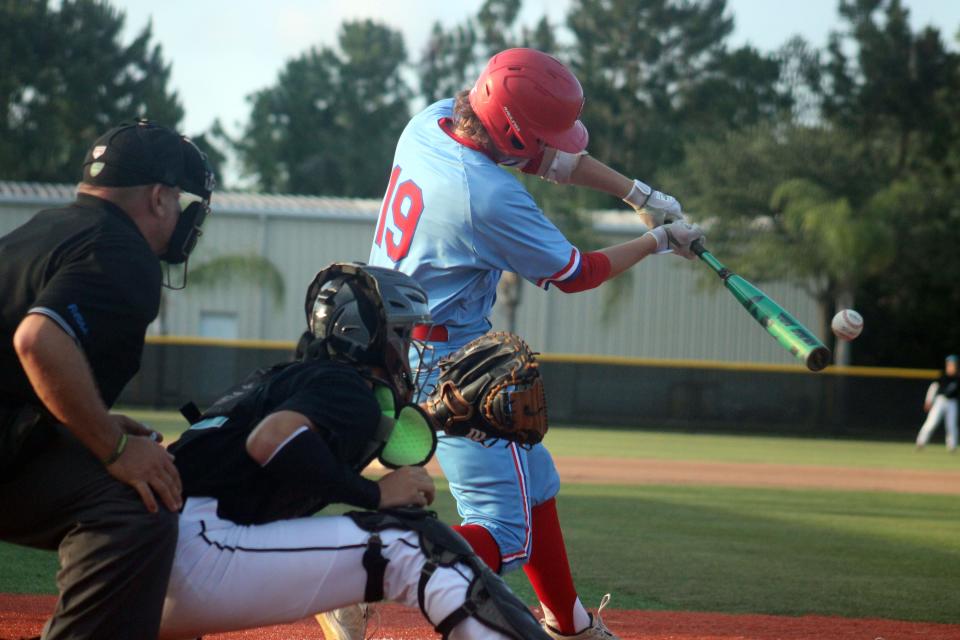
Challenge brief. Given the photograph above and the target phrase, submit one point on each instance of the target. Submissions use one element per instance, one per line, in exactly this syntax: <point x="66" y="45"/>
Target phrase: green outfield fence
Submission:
<point x="856" y="402"/>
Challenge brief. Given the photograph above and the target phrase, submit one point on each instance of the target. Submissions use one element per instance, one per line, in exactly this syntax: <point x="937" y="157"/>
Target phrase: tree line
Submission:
<point x="831" y="168"/>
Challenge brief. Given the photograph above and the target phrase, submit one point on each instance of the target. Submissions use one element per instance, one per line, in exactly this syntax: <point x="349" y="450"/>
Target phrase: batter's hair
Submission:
<point x="466" y="122"/>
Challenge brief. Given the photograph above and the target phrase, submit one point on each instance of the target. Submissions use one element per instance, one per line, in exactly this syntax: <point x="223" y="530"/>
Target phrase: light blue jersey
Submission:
<point x="454" y="220"/>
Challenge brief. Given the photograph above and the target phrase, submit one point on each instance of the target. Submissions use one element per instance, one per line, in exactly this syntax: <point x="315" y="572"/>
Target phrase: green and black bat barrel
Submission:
<point x="790" y="333"/>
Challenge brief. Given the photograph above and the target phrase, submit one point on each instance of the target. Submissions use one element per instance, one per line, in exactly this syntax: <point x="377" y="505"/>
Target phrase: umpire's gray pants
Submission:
<point x="115" y="556"/>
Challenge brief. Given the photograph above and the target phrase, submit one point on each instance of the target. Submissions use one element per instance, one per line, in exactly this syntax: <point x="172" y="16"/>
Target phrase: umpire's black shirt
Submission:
<point x="88" y="268"/>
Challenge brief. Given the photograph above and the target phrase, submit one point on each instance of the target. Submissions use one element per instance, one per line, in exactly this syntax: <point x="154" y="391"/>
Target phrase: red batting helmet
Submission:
<point x="525" y="97"/>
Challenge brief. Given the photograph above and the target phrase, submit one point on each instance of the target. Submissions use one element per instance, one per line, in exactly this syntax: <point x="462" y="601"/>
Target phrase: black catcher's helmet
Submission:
<point x="364" y="315"/>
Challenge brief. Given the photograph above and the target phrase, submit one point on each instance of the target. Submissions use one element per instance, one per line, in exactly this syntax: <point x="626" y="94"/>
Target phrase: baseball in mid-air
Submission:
<point x="847" y="324"/>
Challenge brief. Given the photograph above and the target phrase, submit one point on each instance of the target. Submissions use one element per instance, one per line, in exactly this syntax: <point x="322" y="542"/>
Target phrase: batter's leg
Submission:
<point x="549" y="573"/>
<point x="492" y="490"/>
<point x="548" y="568"/>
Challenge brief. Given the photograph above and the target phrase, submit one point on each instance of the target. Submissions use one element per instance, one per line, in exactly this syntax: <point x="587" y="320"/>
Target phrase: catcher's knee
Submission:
<point x="488" y="598"/>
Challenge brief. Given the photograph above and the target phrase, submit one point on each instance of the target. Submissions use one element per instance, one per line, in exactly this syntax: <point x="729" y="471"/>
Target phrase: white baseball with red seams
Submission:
<point x="847" y="324"/>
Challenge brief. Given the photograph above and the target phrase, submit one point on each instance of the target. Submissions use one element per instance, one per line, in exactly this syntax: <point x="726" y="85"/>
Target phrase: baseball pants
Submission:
<point x="115" y="556"/>
<point x="228" y="576"/>
<point x="943" y="409"/>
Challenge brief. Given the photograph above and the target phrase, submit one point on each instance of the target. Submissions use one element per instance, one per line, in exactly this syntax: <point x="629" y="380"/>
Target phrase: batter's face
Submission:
<point x="951" y="367"/>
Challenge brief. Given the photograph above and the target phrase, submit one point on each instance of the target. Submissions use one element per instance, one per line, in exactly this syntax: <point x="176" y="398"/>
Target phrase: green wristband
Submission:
<point x="118" y="451"/>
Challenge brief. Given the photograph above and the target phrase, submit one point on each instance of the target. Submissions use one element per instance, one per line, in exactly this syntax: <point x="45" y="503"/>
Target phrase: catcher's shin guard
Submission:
<point x="489" y="599"/>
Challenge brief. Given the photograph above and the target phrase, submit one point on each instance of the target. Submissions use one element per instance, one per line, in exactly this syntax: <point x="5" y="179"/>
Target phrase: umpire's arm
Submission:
<point x="61" y="377"/>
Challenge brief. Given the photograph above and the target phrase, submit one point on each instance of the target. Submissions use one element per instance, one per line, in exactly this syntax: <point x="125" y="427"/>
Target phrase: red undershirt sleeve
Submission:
<point x="594" y="270"/>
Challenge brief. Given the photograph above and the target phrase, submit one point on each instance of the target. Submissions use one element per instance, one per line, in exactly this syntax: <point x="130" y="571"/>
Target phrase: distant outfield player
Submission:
<point x="941" y="404"/>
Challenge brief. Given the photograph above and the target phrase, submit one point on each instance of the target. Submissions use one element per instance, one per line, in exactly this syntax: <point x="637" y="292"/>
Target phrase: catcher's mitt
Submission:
<point x="491" y="388"/>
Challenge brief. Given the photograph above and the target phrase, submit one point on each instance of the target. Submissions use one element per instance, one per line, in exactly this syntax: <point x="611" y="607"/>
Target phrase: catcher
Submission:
<point x="293" y="438"/>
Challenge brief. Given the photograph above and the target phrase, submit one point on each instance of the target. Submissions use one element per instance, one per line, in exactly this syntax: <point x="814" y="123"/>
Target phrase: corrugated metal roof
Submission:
<point x="35" y="192"/>
<point x="234" y="202"/>
<point x="282" y="205"/>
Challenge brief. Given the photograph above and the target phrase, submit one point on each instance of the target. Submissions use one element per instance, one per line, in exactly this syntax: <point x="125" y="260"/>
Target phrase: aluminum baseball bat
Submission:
<point x="792" y="336"/>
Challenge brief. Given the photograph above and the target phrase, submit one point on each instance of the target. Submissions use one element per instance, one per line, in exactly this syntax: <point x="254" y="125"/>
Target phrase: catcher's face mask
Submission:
<point x="405" y="436"/>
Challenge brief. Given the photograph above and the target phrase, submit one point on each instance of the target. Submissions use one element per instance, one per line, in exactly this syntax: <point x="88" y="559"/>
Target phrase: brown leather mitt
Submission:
<point x="491" y="389"/>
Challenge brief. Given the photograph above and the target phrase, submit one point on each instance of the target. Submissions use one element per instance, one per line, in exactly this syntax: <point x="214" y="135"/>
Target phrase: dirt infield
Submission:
<point x="649" y="471"/>
<point x="22" y="616"/>
<point x="574" y="470"/>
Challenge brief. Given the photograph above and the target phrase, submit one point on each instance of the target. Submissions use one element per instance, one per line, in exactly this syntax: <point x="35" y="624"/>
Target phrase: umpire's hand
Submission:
<point x="147" y="467"/>
<point x="405" y="487"/>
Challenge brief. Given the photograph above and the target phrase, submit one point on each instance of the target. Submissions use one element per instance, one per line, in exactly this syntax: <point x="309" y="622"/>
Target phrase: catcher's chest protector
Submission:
<point x="242" y="404"/>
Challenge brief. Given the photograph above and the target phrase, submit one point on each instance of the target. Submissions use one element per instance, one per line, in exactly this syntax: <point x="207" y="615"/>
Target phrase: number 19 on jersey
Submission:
<point x="405" y="204"/>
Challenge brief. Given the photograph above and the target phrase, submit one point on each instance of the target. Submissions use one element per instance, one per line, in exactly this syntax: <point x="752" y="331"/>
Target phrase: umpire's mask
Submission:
<point x="144" y="152"/>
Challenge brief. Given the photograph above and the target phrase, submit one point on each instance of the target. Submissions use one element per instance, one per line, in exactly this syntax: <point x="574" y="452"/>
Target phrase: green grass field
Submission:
<point x="618" y="443"/>
<point x="709" y="548"/>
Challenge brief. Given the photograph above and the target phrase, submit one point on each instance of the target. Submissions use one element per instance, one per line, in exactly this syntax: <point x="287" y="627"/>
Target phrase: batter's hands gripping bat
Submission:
<point x="792" y="336"/>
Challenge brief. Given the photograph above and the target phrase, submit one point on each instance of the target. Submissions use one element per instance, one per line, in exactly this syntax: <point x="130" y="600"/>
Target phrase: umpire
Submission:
<point x="78" y="287"/>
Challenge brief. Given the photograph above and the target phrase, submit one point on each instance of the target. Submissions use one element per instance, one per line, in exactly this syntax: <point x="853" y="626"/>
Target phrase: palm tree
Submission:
<point x="836" y="246"/>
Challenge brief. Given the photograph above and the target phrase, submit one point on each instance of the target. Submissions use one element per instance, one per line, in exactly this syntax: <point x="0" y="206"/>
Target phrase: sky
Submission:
<point x="223" y="50"/>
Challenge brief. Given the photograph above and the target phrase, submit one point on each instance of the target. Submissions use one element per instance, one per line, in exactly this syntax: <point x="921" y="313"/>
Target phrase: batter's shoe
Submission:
<point x="596" y="630"/>
<point x="346" y="623"/>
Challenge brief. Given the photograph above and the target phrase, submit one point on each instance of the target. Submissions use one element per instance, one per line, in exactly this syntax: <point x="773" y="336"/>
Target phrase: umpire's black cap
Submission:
<point x="146" y="153"/>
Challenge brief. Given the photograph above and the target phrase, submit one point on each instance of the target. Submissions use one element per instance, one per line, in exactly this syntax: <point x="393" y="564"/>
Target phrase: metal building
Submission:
<point x="665" y="308"/>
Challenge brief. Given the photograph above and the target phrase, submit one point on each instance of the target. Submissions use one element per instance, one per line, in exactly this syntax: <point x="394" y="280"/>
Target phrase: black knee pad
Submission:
<point x="489" y="599"/>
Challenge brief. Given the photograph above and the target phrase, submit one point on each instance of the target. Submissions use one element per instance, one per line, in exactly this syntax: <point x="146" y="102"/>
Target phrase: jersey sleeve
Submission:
<point x="511" y="233"/>
<point x="104" y="298"/>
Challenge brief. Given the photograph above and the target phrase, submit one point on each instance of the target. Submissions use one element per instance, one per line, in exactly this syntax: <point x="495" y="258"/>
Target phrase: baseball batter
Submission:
<point x="293" y="438"/>
<point x="941" y="404"/>
<point x="454" y="220"/>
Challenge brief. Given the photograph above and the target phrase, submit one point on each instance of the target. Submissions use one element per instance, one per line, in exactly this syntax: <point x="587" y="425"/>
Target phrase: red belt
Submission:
<point x="430" y="333"/>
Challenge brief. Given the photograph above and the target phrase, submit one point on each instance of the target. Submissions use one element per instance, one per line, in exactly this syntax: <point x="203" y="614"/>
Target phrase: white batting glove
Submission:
<point x="655" y="207"/>
<point x="677" y="237"/>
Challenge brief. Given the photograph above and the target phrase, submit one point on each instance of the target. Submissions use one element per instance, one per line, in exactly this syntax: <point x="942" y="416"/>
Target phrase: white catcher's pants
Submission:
<point x="945" y="409"/>
<point x="228" y="576"/>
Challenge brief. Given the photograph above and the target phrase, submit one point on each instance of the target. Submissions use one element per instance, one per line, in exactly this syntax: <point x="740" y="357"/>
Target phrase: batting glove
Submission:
<point x="677" y="237"/>
<point x="655" y="207"/>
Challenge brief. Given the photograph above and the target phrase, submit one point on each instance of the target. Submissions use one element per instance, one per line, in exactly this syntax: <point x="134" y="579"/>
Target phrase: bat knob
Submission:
<point x="818" y="359"/>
